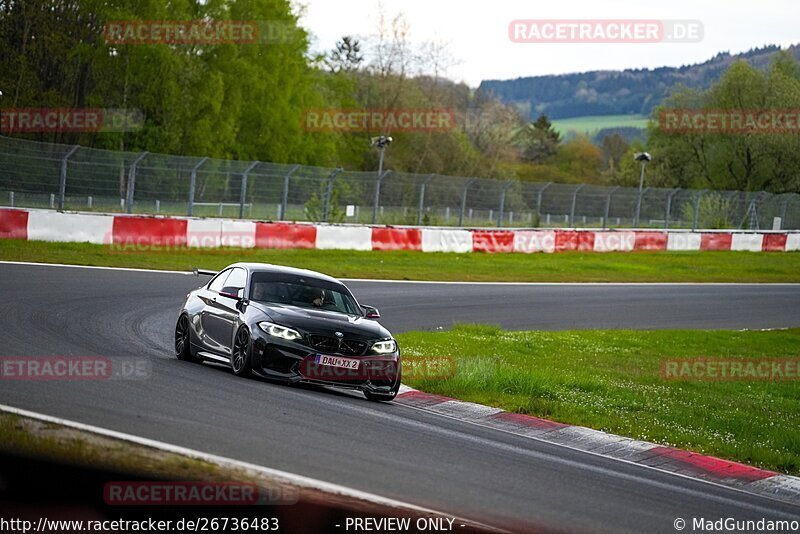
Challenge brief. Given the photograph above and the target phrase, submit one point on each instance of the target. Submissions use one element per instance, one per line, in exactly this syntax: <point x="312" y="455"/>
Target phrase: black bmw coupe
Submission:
<point x="289" y="324"/>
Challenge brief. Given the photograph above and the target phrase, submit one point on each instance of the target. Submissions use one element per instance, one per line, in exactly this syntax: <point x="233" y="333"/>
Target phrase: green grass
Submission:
<point x="590" y="124"/>
<point x="33" y="438"/>
<point x="405" y="265"/>
<point x="610" y="381"/>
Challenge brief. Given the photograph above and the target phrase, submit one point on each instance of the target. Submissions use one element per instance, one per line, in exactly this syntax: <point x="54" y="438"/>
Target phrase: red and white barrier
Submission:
<point x="650" y="241"/>
<point x="13" y="224"/>
<point x="574" y="240"/>
<point x="749" y="242"/>
<point x="492" y="241"/>
<point x="528" y="242"/>
<point x="344" y="237"/>
<point x="143" y="232"/>
<point x="436" y="240"/>
<point x="55" y="226"/>
<point x="396" y="239"/>
<point x="684" y="241"/>
<point x="283" y="235"/>
<point x="150" y="231"/>
<point x="614" y="241"/>
<point x="716" y="241"/>
<point x="792" y="243"/>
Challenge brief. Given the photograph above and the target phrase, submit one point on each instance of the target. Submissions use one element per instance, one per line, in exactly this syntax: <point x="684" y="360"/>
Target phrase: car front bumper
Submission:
<point x="295" y="362"/>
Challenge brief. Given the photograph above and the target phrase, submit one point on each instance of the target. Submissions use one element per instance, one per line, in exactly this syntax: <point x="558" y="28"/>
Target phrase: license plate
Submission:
<point x="335" y="361"/>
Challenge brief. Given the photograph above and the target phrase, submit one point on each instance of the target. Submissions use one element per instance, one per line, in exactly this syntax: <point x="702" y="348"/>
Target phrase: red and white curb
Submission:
<point x="709" y="468"/>
<point x="137" y="232"/>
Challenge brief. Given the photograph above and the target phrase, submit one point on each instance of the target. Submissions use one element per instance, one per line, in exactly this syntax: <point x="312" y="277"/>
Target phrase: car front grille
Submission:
<point x="332" y="345"/>
<point x="325" y="343"/>
<point x="352" y="347"/>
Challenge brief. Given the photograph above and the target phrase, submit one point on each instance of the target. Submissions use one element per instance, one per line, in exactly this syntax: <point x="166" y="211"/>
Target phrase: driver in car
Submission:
<point x="318" y="298"/>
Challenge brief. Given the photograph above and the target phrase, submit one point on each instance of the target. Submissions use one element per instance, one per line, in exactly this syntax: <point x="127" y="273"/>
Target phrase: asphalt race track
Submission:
<point x="387" y="449"/>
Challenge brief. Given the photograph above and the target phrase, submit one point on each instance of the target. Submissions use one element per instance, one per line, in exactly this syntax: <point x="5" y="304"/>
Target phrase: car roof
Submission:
<point x="270" y="268"/>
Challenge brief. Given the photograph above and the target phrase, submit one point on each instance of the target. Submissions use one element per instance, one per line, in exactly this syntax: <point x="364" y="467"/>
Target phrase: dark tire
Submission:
<point x="183" y="345"/>
<point x="240" y="355"/>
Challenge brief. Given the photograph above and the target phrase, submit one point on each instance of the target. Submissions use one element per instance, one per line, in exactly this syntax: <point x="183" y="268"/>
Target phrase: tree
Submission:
<point x="733" y="159"/>
<point x="346" y="56"/>
<point x="614" y="148"/>
<point x="580" y="160"/>
<point x="538" y="141"/>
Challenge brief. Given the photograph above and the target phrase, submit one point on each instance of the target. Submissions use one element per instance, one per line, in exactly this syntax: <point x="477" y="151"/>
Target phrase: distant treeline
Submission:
<point x="634" y="91"/>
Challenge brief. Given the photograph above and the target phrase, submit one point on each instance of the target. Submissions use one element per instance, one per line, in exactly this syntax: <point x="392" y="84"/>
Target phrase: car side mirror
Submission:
<point x="371" y="312"/>
<point x="236" y="293"/>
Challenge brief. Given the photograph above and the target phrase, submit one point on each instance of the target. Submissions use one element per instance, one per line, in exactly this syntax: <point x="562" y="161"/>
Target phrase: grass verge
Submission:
<point x="35" y="438"/>
<point x="405" y="265"/>
<point x="610" y="381"/>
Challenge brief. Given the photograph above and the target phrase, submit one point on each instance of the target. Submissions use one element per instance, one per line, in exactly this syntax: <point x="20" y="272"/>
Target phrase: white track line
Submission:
<point x="284" y="476"/>
<point x="71" y="266"/>
<point x="435" y="282"/>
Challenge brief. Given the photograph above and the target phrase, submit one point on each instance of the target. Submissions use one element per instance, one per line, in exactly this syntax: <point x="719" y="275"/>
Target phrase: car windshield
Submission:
<point x="302" y="291"/>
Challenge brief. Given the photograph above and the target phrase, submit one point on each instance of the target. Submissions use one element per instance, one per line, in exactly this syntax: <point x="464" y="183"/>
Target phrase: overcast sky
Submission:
<point x="477" y="32"/>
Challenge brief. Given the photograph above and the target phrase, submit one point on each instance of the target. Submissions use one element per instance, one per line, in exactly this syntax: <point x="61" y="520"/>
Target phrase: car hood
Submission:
<point x="322" y="321"/>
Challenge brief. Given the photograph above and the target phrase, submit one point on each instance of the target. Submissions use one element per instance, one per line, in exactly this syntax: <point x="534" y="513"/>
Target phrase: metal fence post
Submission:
<point x="377" y="198"/>
<point x="608" y="206"/>
<point x="642" y="193"/>
<point x="668" y="209"/>
<point x="503" y="192"/>
<point x="285" y="193"/>
<point x="784" y="205"/>
<point x="62" y="186"/>
<point x="574" y="201"/>
<point x="132" y="182"/>
<point x="697" y="207"/>
<point x="193" y="184"/>
<point x="328" y="193"/>
<point x="464" y="201"/>
<point x="539" y="199"/>
<point x="243" y="194"/>
<point x="422" y="198"/>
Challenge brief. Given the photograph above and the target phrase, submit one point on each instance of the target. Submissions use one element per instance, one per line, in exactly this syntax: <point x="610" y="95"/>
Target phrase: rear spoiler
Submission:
<point x="204" y="272"/>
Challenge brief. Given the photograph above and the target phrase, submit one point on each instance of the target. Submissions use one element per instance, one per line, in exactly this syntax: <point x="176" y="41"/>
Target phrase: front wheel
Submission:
<point x="240" y="355"/>
<point x="183" y="347"/>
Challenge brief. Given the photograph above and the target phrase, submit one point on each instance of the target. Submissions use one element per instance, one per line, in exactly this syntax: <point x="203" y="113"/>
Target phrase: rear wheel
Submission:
<point x="183" y="347"/>
<point x="240" y="355"/>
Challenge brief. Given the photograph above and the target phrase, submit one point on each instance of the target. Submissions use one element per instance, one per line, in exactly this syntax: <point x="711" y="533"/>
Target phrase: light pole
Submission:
<point x="644" y="158"/>
<point x="381" y="142"/>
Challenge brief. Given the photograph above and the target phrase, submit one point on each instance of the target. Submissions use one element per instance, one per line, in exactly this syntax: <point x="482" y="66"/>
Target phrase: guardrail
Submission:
<point x="132" y="232"/>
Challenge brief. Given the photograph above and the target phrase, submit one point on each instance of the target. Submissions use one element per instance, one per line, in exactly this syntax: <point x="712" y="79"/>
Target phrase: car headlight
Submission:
<point x="279" y="331"/>
<point x="384" y="347"/>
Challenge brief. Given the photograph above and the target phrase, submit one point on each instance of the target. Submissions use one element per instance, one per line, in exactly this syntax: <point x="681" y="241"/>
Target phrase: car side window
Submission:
<point x="219" y="281"/>
<point x="237" y="279"/>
